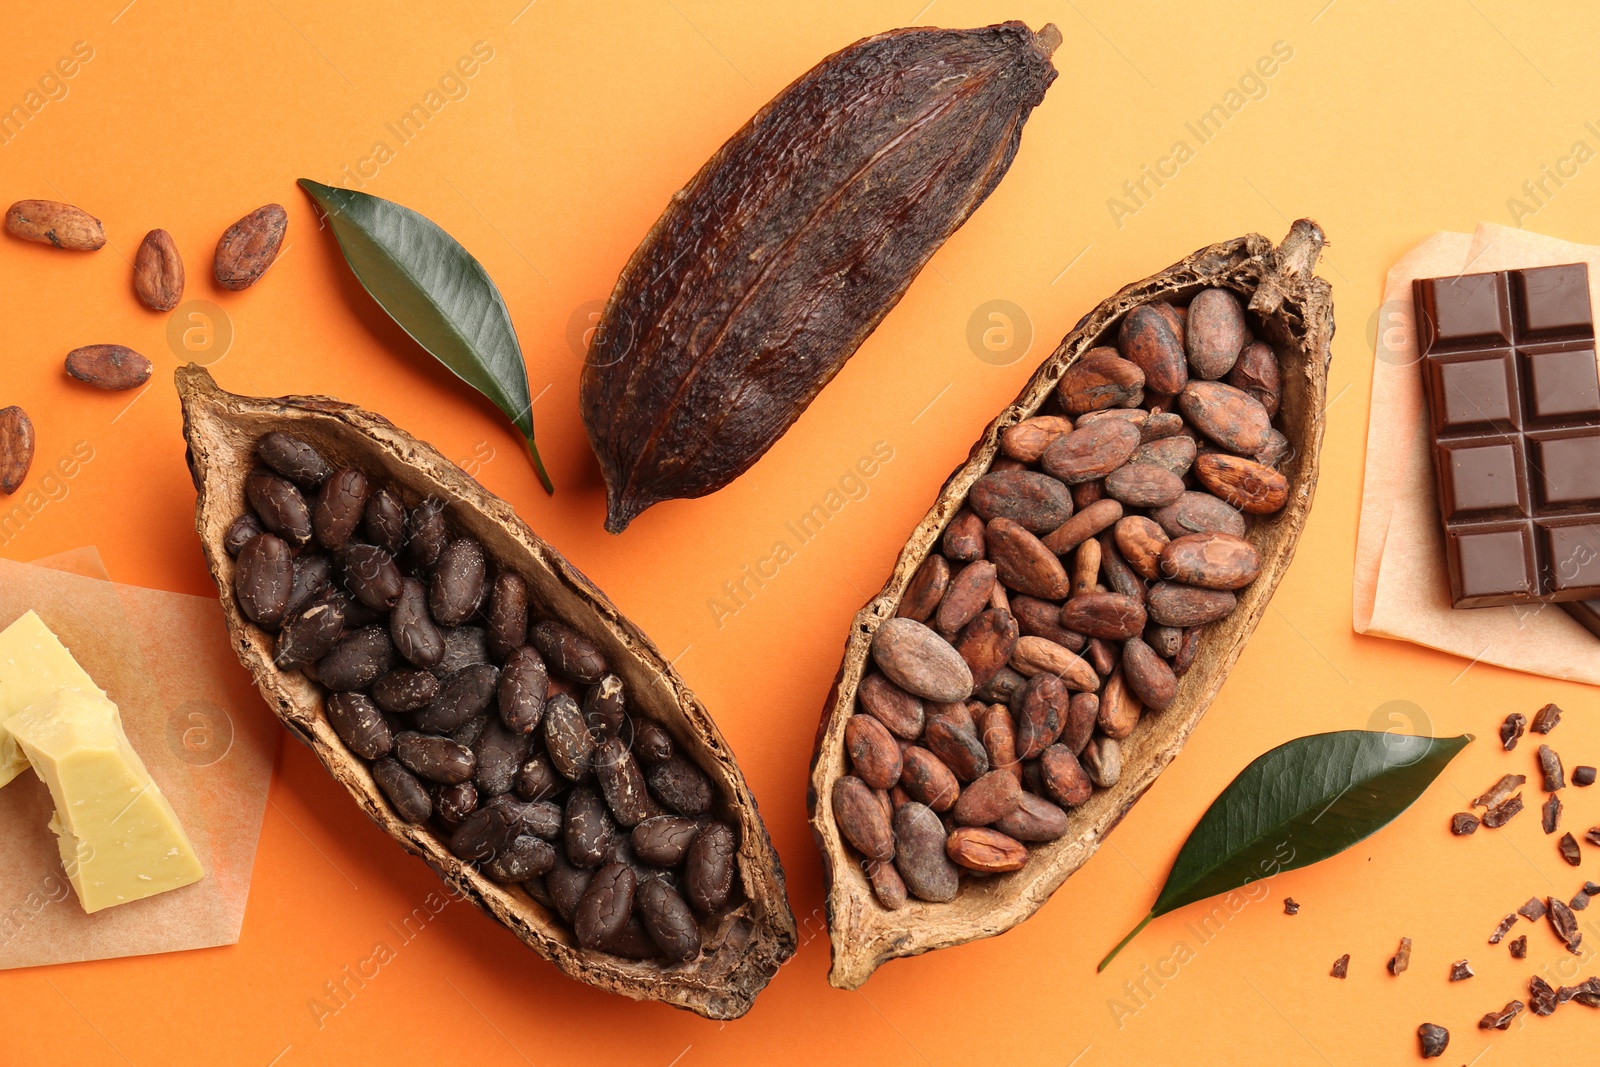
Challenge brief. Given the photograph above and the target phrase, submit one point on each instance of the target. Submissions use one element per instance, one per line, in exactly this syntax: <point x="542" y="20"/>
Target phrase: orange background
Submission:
<point x="1388" y="122"/>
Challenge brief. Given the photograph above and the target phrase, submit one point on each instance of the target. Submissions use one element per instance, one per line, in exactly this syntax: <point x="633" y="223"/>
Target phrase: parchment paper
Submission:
<point x="1402" y="589"/>
<point x="196" y="721"/>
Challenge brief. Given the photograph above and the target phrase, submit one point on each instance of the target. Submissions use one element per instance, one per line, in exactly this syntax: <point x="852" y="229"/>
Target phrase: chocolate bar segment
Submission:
<point x="1514" y="407"/>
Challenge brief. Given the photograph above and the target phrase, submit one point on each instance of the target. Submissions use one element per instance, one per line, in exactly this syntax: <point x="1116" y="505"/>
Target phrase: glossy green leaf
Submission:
<point x="1300" y="803"/>
<point x="438" y="293"/>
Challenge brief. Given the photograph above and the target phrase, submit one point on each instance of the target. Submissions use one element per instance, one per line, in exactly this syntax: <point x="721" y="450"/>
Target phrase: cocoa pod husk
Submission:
<point x="158" y="272"/>
<point x="109" y="367"/>
<point x="730" y="308"/>
<point x="16" y="448"/>
<point x="50" y="222"/>
<point x="248" y="247"/>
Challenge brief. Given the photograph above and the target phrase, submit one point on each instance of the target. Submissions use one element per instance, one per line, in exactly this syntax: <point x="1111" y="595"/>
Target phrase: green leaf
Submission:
<point x="438" y="293"/>
<point x="1300" y="803"/>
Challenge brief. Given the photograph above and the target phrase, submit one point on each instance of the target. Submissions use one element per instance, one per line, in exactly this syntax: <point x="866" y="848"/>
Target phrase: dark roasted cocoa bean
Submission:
<point x="1215" y="333"/>
<point x="926" y="591"/>
<point x="412" y="628"/>
<point x="606" y="906"/>
<point x="566" y="884"/>
<point x="1090" y="452"/>
<point x="663" y="840"/>
<point x="874" y="756"/>
<point x="623" y="783"/>
<point x="1110" y="616"/>
<point x="523" y="683"/>
<point x="926" y="778"/>
<point x="1152" y="340"/>
<point x="861" y="819"/>
<point x="919" y="838"/>
<point x="359" y="724"/>
<point x="568" y="652"/>
<point x="963" y="538"/>
<point x="604" y="708"/>
<point x="339" y="506"/>
<point x="239" y="531"/>
<point x="1035" y="819"/>
<point x="469" y="732"/>
<point x="358" y="660"/>
<point x="992" y="797"/>
<point x="540" y="818"/>
<point x="405" y="690"/>
<point x="1211" y="561"/>
<point x="279" y="505"/>
<point x="293" y="458"/>
<point x="313" y="575"/>
<point x="508" y="614"/>
<point x="1199" y="513"/>
<point x="708" y="869"/>
<point x="463" y="695"/>
<point x="1065" y="780"/>
<point x="483" y="835"/>
<point x="957" y="747"/>
<point x="1027" y="440"/>
<point x="384" y="522"/>
<point x="453" y="803"/>
<point x="1036" y="502"/>
<point x="371" y="575"/>
<point x="537" y="779"/>
<point x="310" y="635"/>
<point x="668" y="919"/>
<point x="986" y="851"/>
<point x="458" y="583"/>
<point x="438" y="759"/>
<point x="967" y="594"/>
<point x="464" y="646"/>
<point x="1041" y="714"/>
<point x="500" y="753"/>
<point x="1144" y="485"/>
<point x="405" y="793"/>
<point x="651" y="742"/>
<point x="681" y="786"/>
<point x="986" y="643"/>
<point x="568" y="738"/>
<point x="920" y="661"/>
<point x="1257" y="374"/>
<point x="429" y="535"/>
<point x="263" y="579"/>
<point x="587" y="829"/>
<point x="1023" y="563"/>
<point x="526" y="857"/>
<point x="1243" y="483"/>
<point x="1100" y="379"/>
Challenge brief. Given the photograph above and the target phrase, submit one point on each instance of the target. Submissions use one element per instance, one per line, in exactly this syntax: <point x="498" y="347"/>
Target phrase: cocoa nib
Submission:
<point x="1504" y="928"/>
<point x="1533" y="910"/>
<point x="1550" y="814"/>
<point x="1550" y="767"/>
<point x="1583" y="775"/>
<point x="1500" y="791"/>
<point x="1565" y="924"/>
<point x="1570" y="850"/>
<point x="1460" y="970"/>
<point x="1291" y="906"/>
<point x="1434" y="1040"/>
<point x="1501" y="813"/>
<point x="1341" y="966"/>
<point x="1540" y="996"/>
<point x="1545" y="719"/>
<point x="1511" y="730"/>
<point x="1463" y="823"/>
<point x="1501" y="1020"/>
<point x="1402" y="958"/>
<point x="1519" y="948"/>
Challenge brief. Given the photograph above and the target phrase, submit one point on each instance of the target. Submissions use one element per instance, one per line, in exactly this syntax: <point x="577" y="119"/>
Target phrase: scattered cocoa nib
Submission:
<point x="1550" y="767"/>
<point x="1533" y="910"/>
<point x="1501" y="813"/>
<point x="1460" y="970"/>
<point x="1592" y="888"/>
<point x="1291" y="906"/>
<point x="1541" y="998"/>
<point x="1550" y="814"/>
<point x="1570" y="850"/>
<point x="1434" y="1040"/>
<point x="1579" y="901"/>
<point x="1504" y="928"/>
<point x="1565" y="924"/>
<point x="1500" y="790"/>
<point x="1586" y="992"/>
<point x="1592" y="835"/>
<point x="1511" y="730"/>
<point x="1545" y="719"/>
<point x="1519" y="948"/>
<point x="1501" y="1020"/>
<point x="1463" y="823"/>
<point x="1583" y="774"/>
<point x="1341" y="966"/>
<point x="1401" y="959"/>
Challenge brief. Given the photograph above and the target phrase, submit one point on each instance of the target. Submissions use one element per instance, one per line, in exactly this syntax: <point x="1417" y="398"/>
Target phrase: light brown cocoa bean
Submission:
<point x="1141" y="541"/>
<point x="1092" y="451"/>
<point x="1086" y="493"/>
<point x="987" y="851"/>
<point x="1101" y="654"/>
<point x="1215" y="333"/>
<point x="897" y="709"/>
<point x="1100" y="379"/>
<point x="1042" y="618"/>
<point x="1211" y="561"/>
<point x="16" y="448"/>
<point x="963" y="538"/>
<point x="919" y="839"/>
<point x="920" y="661"/>
<point x="1188" y="646"/>
<point x="50" y="222"/>
<point x="1085" y="524"/>
<point x="957" y="746"/>
<point x="861" y="820"/>
<point x="993" y="796"/>
<point x="968" y="593"/>
<point x="926" y="778"/>
<point x="1144" y="485"/>
<point x="986" y="642"/>
<point x="1276" y="452"/>
<point x="1036" y="502"/>
<point x="109" y="367"/>
<point x="1027" y="440"/>
<point x="1152" y="339"/>
<point x="1120" y="577"/>
<point x="1243" y="483"/>
<point x="1035" y="655"/>
<point x="1065" y="780"/>
<point x="1102" y="759"/>
<point x="887" y="885"/>
<point x="1041" y="714"/>
<point x="1175" y="453"/>
<point x="1257" y="373"/>
<point x="874" y="757"/>
<point x="1147" y="675"/>
<point x="1022" y="561"/>
<point x="1086" y="567"/>
<point x="1160" y="425"/>
<point x="1172" y="604"/>
<point x="1083" y="714"/>
<point x="1035" y="819"/>
<point x="926" y="590"/>
<point x="998" y="733"/>
<point x="158" y="272"/>
<point x="1108" y="616"/>
<point x="1231" y="417"/>
<point x="1199" y="513"/>
<point x="1119" y="709"/>
<point x="1164" y="639"/>
<point x="248" y="247"/>
<point x="1137" y="416"/>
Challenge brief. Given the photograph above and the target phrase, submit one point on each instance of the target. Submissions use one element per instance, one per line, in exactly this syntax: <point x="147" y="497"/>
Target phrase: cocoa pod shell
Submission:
<point x="221" y="430"/>
<point x="109" y="367"/>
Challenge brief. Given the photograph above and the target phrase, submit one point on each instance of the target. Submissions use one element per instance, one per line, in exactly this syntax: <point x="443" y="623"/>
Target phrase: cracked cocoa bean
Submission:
<point x="263" y="579"/>
<point x="664" y="840"/>
<point x="406" y="794"/>
<point x="568" y="652"/>
<point x="709" y="868"/>
<point x="411" y="626"/>
<point x="438" y="759"/>
<point x="568" y="738"/>
<point x="606" y="906"/>
<point x="358" y="660"/>
<point x="359" y="724"/>
<point x="280" y="506"/>
<point x="523" y="684"/>
<point x="464" y="694"/>
<point x="339" y="507"/>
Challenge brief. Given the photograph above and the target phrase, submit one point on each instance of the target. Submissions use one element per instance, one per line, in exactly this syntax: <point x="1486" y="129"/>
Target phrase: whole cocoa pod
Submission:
<point x="731" y="309"/>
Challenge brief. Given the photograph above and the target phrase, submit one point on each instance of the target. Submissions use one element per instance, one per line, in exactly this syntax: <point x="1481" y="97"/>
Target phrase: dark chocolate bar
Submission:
<point x="1587" y="612"/>
<point x="1508" y="363"/>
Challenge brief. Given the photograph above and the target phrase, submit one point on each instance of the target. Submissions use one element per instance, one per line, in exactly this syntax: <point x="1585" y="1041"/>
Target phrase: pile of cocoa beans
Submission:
<point x="505" y="733"/>
<point x="1068" y="598"/>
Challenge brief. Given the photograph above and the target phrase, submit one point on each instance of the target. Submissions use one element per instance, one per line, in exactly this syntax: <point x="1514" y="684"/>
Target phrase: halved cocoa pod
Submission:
<point x="743" y="944"/>
<point x="1287" y="308"/>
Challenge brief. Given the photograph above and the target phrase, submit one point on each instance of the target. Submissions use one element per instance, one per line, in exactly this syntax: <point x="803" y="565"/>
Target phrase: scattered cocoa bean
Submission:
<point x="109" y="367"/>
<point x="51" y="222"/>
<point x="248" y="247"/>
